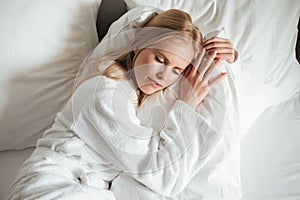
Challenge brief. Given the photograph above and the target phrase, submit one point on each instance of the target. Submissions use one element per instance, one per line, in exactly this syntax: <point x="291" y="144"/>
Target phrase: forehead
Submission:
<point x="175" y="47"/>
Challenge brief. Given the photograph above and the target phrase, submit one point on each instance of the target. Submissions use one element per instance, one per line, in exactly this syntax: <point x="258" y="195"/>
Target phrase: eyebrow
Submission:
<point x="166" y="59"/>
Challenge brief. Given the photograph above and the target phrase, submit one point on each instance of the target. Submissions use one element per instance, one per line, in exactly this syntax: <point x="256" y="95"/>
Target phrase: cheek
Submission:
<point x="171" y="79"/>
<point x="141" y="70"/>
<point x="143" y="58"/>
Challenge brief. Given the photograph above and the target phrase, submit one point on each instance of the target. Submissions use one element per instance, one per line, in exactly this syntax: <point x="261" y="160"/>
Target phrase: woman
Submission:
<point x="98" y="136"/>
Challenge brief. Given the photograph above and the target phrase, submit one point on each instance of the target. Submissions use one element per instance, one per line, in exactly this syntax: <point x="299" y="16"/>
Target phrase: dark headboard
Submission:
<point x="111" y="10"/>
<point x="298" y="43"/>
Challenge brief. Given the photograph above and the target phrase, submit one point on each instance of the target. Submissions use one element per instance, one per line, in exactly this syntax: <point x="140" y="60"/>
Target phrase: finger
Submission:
<point x="188" y="70"/>
<point x="198" y="60"/>
<point x="210" y="71"/>
<point x="217" y="42"/>
<point x="205" y="66"/>
<point x="216" y="80"/>
<point x="226" y="56"/>
<point x="216" y="39"/>
<point x="221" y="50"/>
<point x="193" y="71"/>
<point x="217" y="45"/>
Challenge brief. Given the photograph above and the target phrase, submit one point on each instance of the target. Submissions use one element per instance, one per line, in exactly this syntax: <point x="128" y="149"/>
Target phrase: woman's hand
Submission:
<point x="195" y="84"/>
<point x="224" y="48"/>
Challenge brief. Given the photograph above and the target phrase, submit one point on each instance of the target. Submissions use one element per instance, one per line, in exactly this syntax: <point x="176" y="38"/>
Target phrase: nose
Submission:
<point x="162" y="73"/>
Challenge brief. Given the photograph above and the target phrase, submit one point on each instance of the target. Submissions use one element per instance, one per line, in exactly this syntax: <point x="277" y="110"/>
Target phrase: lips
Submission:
<point x="155" y="83"/>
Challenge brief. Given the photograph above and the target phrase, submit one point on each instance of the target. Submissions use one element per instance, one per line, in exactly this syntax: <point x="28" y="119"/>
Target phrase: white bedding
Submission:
<point x="273" y="153"/>
<point x="10" y="161"/>
<point x="81" y="167"/>
<point x="270" y="171"/>
<point x="270" y="161"/>
<point x="269" y="91"/>
<point x="41" y="49"/>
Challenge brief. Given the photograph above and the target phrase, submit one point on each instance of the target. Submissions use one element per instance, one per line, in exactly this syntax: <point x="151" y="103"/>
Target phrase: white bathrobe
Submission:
<point x="98" y="136"/>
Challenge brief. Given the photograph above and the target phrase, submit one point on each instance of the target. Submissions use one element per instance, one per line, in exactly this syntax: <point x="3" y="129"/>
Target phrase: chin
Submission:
<point x="149" y="91"/>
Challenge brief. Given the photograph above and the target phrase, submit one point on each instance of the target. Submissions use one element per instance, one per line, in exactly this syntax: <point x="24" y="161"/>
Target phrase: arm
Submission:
<point x="164" y="161"/>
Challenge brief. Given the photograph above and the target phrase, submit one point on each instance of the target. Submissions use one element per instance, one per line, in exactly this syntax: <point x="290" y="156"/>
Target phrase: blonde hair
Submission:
<point x="175" y="20"/>
<point x="160" y="27"/>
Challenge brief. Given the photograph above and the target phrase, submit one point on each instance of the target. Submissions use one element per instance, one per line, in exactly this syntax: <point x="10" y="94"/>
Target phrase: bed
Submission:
<point x="45" y="43"/>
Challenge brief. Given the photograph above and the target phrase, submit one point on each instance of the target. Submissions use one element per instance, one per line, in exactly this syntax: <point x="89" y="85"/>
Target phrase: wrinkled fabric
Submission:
<point x="98" y="136"/>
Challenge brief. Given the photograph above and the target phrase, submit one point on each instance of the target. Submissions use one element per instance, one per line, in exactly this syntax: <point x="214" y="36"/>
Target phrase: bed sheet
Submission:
<point x="270" y="161"/>
<point x="10" y="161"/>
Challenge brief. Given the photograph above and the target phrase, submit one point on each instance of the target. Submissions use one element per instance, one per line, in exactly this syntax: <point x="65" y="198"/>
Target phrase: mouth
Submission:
<point x="154" y="83"/>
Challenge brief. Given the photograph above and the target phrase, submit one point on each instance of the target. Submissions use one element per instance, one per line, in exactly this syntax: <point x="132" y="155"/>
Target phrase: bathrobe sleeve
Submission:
<point x="164" y="160"/>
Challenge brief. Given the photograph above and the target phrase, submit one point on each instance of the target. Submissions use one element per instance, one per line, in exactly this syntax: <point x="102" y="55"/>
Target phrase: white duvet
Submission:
<point x="67" y="167"/>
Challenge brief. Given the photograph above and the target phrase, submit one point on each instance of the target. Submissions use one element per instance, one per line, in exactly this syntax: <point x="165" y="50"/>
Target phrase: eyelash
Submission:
<point x="176" y="71"/>
<point x="161" y="60"/>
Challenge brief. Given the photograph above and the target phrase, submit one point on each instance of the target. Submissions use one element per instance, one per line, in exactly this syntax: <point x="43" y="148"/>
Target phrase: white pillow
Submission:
<point x="42" y="45"/>
<point x="269" y="31"/>
<point x="264" y="33"/>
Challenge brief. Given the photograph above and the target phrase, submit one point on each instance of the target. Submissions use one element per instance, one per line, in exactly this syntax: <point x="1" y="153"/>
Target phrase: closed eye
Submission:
<point x="177" y="71"/>
<point x="159" y="59"/>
